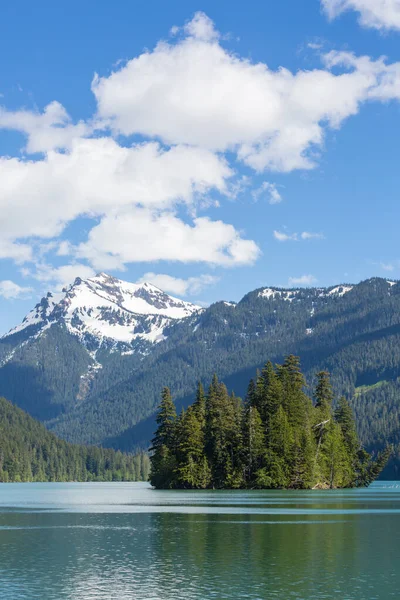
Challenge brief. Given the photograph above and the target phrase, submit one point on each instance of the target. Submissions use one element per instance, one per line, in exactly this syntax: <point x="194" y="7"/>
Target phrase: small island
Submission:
<point x="279" y="438"/>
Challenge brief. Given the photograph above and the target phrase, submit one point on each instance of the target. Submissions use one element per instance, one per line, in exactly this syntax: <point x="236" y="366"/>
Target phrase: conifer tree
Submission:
<point x="200" y="404"/>
<point x="323" y="395"/>
<point x="279" y="439"/>
<point x="344" y="416"/>
<point x="253" y="443"/>
<point x="163" y="459"/>
<point x="192" y="470"/>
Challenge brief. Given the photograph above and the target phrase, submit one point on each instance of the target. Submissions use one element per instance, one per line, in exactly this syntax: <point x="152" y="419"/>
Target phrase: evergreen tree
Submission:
<point x="28" y="452"/>
<point x="193" y="471"/>
<point x="163" y="459"/>
<point x="323" y="394"/>
<point x="279" y="439"/>
<point x="200" y="404"/>
<point x="253" y="443"/>
<point x="344" y="416"/>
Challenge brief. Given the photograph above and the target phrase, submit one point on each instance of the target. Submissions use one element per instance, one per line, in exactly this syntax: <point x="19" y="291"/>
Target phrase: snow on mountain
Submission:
<point x="290" y="295"/>
<point x="339" y="290"/>
<point x="108" y="310"/>
<point x="271" y="293"/>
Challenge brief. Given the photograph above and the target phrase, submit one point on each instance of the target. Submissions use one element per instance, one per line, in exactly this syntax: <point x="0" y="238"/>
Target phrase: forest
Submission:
<point x="278" y="437"/>
<point x="28" y="452"/>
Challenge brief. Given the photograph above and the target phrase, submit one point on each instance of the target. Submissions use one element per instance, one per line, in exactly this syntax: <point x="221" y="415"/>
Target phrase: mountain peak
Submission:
<point x="107" y="310"/>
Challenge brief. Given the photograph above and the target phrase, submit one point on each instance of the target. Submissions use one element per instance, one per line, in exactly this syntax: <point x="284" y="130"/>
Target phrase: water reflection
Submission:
<point x="347" y="551"/>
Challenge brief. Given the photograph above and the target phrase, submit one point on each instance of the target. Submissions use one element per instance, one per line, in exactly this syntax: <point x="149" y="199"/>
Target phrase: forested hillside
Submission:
<point x="29" y="452"/>
<point x="277" y="438"/>
<point x="109" y="396"/>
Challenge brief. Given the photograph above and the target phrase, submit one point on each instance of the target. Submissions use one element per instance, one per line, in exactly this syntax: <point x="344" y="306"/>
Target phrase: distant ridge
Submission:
<point x="91" y="361"/>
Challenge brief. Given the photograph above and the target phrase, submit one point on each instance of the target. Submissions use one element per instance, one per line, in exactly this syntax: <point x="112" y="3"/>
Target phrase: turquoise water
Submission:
<point x="127" y="541"/>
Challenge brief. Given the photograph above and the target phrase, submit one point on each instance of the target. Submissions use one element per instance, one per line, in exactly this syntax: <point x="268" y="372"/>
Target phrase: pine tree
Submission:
<point x="192" y="470"/>
<point x="323" y="394"/>
<point x="253" y="443"/>
<point x="200" y="404"/>
<point x="163" y="459"/>
<point x="344" y="416"/>
<point x="279" y="439"/>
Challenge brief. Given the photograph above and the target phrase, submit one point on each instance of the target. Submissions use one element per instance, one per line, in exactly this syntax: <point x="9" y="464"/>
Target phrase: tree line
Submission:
<point x="278" y="437"/>
<point x="29" y="452"/>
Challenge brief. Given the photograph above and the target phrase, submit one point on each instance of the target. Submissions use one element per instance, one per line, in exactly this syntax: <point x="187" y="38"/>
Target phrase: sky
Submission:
<point x="210" y="148"/>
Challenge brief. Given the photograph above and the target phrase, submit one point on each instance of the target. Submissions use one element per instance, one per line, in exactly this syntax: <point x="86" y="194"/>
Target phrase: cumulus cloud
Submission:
<point x="99" y="175"/>
<point x="194" y="103"/>
<point x="18" y="252"/>
<point x="269" y="191"/>
<point x="196" y="92"/>
<point x="101" y="179"/>
<point x="10" y="290"/>
<point x="282" y="236"/>
<point x="303" y="280"/>
<point x="142" y="236"/>
<point x="377" y="14"/>
<point x="59" y="277"/>
<point x="176" y="285"/>
<point x="49" y="130"/>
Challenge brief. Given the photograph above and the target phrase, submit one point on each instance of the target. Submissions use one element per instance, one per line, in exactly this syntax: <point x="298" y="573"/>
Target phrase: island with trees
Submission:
<point x="278" y="438"/>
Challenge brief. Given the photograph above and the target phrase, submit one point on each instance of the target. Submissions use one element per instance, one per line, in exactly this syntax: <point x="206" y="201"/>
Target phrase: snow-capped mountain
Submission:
<point x="105" y="311"/>
<point x="299" y="293"/>
<point x="91" y="361"/>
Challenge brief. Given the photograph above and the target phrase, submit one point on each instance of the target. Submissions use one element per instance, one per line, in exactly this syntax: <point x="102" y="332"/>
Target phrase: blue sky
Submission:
<point x="211" y="148"/>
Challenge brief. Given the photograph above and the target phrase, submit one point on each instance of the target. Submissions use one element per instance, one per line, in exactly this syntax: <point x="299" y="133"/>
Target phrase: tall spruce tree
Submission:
<point x="323" y="395"/>
<point x="253" y="444"/>
<point x="192" y="471"/>
<point x="163" y="458"/>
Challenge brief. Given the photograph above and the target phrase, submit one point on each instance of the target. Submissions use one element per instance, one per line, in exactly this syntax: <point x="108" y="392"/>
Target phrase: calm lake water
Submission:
<point x="127" y="541"/>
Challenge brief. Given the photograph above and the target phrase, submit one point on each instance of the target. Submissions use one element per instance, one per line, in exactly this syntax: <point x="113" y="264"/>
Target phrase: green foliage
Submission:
<point x="28" y="452"/>
<point x="277" y="439"/>
<point x="356" y="337"/>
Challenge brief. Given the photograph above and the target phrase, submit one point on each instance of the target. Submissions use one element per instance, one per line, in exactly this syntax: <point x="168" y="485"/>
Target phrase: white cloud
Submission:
<point x="142" y="236"/>
<point x="181" y="287"/>
<point x="18" y="252"/>
<point x="10" y="290"/>
<point x="50" y="130"/>
<point x="199" y="101"/>
<point x="195" y="92"/>
<point x="60" y="277"/>
<point x="377" y="14"/>
<point x="201" y="27"/>
<point x="282" y="236"/>
<point x="268" y="190"/>
<point x="308" y="235"/>
<point x="99" y="177"/>
<point x="303" y="280"/>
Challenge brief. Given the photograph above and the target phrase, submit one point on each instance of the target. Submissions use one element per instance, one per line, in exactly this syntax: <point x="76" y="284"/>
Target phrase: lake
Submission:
<point x="125" y="541"/>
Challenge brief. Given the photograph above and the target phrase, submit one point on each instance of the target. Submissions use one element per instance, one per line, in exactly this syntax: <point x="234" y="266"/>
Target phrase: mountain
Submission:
<point x="106" y="312"/>
<point x="49" y="361"/>
<point x="91" y="362"/>
<point x="29" y="452"/>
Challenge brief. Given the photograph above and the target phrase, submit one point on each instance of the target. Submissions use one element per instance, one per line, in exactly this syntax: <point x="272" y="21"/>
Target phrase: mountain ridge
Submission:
<point x="105" y="307"/>
<point x="107" y="394"/>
